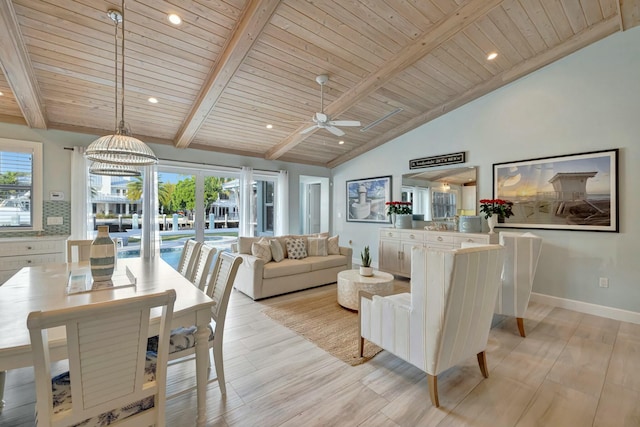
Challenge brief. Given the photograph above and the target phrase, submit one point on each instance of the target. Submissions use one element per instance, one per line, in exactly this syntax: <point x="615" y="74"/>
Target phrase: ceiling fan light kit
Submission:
<point x="120" y="148"/>
<point x="322" y="120"/>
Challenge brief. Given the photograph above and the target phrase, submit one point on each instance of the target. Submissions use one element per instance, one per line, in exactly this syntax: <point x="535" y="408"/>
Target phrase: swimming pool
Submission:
<point x="170" y="255"/>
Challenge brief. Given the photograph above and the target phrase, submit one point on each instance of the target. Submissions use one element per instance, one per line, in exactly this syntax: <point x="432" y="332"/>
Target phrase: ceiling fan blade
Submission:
<point x="309" y="129"/>
<point x="334" y="130"/>
<point x="344" y="123"/>
<point x="320" y="118"/>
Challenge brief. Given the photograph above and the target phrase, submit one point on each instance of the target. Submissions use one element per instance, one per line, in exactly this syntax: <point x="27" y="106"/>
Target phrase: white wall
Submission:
<point x="57" y="162"/>
<point x="586" y="102"/>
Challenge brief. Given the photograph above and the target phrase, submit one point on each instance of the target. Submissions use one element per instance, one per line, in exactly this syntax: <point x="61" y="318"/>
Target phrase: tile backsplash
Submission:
<point x="50" y="208"/>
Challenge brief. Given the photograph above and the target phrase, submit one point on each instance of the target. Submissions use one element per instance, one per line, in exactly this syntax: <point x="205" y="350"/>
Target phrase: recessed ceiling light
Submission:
<point x="1" y="93"/>
<point x="174" y="19"/>
<point x="269" y="126"/>
<point x="492" y="56"/>
<point x="340" y="142"/>
<point x="153" y="100"/>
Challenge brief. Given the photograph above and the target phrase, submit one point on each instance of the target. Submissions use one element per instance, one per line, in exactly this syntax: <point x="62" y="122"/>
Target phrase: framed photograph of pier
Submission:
<point x="366" y="199"/>
<point x="572" y="192"/>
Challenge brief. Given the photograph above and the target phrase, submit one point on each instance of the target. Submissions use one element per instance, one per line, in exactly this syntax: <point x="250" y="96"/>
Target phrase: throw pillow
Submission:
<point x="244" y="244"/>
<point x="261" y="250"/>
<point x="296" y="249"/>
<point x="333" y="247"/>
<point x="276" y="250"/>
<point x="317" y="246"/>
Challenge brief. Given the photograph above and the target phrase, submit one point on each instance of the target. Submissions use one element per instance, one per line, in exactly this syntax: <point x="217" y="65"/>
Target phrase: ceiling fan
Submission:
<point x="322" y="120"/>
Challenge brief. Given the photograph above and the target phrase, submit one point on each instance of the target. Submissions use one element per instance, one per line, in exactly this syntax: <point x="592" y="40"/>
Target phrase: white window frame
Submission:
<point x="35" y="149"/>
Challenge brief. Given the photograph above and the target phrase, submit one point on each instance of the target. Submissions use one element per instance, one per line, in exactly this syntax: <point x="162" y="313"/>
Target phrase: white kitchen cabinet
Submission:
<point x="395" y="245"/>
<point x="18" y="252"/>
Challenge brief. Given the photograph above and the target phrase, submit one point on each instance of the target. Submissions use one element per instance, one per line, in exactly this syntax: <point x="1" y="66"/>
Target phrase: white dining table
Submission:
<point x="44" y="288"/>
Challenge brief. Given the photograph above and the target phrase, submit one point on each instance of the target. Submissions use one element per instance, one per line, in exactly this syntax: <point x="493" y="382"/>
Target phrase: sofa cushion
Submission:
<point x="277" y="253"/>
<point x="330" y="261"/>
<point x="317" y="246"/>
<point x="286" y="267"/>
<point x="333" y="246"/>
<point x="262" y="250"/>
<point x="244" y="244"/>
<point x="296" y="248"/>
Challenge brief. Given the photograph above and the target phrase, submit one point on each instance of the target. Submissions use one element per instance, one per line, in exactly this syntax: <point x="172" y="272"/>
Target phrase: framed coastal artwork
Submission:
<point x="366" y="199"/>
<point x="572" y="192"/>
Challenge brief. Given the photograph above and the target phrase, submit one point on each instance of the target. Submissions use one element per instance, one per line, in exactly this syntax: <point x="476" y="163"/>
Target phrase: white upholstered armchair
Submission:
<point x="447" y="316"/>
<point x="522" y="252"/>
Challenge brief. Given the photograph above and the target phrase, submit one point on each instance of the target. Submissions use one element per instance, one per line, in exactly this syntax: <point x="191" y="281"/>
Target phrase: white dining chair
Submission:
<point x="78" y="250"/>
<point x="202" y="266"/>
<point x="182" y="342"/>
<point x="111" y="375"/>
<point x="190" y="252"/>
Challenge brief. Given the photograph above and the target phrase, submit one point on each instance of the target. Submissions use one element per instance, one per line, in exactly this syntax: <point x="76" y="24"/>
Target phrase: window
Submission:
<point x="444" y="205"/>
<point x="20" y="185"/>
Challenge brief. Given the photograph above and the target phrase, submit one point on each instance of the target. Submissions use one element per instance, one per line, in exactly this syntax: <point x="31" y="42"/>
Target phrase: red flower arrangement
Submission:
<point x="398" y="208"/>
<point x="496" y="206"/>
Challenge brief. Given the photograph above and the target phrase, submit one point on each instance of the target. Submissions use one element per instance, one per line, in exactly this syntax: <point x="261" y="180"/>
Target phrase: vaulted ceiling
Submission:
<point x="233" y="66"/>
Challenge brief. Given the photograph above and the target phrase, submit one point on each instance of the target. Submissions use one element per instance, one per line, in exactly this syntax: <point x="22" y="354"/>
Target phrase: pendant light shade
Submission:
<point x="111" y="169"/>
<point x="120" y="148"/>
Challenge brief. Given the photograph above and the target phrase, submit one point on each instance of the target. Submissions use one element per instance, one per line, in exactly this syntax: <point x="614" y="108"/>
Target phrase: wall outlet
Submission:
<point x="604" y="282"/>
<point x="54" y="220"/>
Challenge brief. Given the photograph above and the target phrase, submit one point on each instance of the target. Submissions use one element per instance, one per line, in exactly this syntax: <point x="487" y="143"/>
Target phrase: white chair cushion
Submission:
<point x="62" y="398"/>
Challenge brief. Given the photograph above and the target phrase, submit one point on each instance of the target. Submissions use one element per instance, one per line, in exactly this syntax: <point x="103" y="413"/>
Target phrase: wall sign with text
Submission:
<point x="444" y="159"/>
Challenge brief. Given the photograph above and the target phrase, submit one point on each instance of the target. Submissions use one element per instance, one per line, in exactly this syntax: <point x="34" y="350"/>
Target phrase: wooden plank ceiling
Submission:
<point x="234" y="66"/>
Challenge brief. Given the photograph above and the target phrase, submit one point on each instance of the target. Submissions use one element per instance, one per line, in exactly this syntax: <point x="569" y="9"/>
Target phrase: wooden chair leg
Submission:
<point x="433" y="389"/>
<point x="361" y="347"/>
<point x="482" y="361"/>
<point x="520" y="321"/>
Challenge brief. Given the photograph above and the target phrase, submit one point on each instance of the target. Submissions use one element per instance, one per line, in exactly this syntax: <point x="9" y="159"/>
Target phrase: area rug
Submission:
<point x="320" y="319"/>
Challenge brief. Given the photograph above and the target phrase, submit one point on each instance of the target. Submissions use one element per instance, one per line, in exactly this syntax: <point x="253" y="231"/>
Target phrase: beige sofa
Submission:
<point x="259" y="279"/>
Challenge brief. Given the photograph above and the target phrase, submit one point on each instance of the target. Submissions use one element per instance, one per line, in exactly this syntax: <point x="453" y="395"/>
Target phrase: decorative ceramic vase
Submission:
<point x="366" y="271"/>
<point x="393" y="220"/>
<point x="102" y="255"/>
<point x="492" y="221"/>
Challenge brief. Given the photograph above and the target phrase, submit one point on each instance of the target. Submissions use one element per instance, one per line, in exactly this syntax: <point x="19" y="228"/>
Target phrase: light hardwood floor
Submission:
<point x="571" y="370"/>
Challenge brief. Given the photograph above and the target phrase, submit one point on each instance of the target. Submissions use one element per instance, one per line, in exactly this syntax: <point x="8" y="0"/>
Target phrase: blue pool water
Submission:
<point x="170" y="255"/>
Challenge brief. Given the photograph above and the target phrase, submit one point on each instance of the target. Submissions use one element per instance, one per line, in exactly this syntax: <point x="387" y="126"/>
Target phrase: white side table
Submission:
<point x="350" y="283"/>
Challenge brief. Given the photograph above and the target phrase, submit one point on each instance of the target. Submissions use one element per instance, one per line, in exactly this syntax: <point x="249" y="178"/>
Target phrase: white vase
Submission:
<point x="102" y="255"/>
<point x="366" y="271"/>
<point x="491" y="222"/>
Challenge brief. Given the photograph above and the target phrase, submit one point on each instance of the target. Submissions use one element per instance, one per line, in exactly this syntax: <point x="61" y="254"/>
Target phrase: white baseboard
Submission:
<point x="588" y="308"/>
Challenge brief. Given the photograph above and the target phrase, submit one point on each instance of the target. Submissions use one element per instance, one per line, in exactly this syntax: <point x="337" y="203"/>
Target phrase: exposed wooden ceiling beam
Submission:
<point x="249" y="27"/>
<point x="580" y="40"/>
<point x="16" y="65"/>
<point x="629" y="13"/>
<point x="440" y="33"/>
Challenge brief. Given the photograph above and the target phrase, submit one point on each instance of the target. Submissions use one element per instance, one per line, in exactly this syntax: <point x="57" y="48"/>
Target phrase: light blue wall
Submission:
<point x="57" y="162"/>
<point x="587" y="101"/>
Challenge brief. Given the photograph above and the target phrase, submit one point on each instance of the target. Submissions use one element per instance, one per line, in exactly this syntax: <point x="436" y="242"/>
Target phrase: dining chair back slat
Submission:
<point x="190" y="253"/>
<point x="202" y="266"/>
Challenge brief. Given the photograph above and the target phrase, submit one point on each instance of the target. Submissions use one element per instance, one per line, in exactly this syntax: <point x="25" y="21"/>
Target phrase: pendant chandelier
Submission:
<point x="120" y="148"/>
<point x="111" y="169"/>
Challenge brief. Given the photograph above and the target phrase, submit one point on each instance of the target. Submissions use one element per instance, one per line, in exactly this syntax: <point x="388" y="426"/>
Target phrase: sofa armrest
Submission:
<point x="249" y="276"/>
<point x="347" y="252"/>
